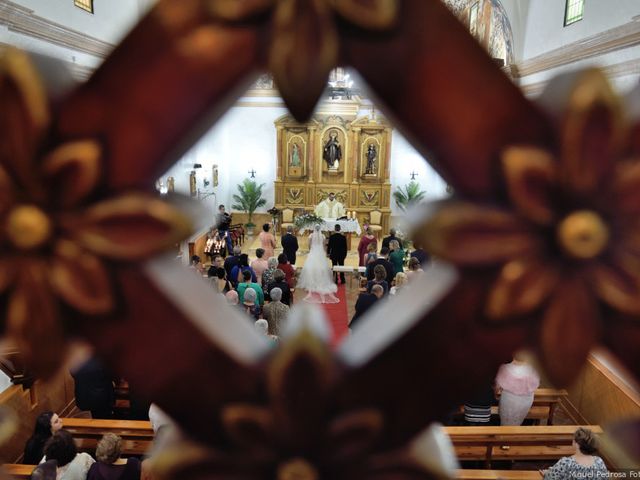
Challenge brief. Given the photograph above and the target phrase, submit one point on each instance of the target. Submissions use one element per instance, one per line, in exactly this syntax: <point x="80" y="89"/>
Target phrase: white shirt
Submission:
<point x="330" y="209"/>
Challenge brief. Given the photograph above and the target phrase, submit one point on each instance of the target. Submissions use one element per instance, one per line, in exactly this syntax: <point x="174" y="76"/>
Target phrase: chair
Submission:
<point x="375" y="222"/>
<point x="287" y="219"/>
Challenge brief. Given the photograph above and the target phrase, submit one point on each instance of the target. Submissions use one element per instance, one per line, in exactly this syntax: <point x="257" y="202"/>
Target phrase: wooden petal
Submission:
<point x="370" y="14"/>
<point x="234" y="10"/>
<point x="354" y="434"/>
<point x="570" y="328"/>
<point x="298" y="380"/>
<point x="6" y="191"/>
<point x="33" y="320"/>
<point x="72" y="171"/>
<point x="626" y="188"/>
<point x="530" y="174"/>
<point x="592" y="128"/>
<point x="249" y="427"/>
<point x="522" y="286"/>
<point x="81" y="279"/>
<point x="303" y="52"/>
<point x="24" y="113"/>
<point x="617" y="282"/>
<point x="469" y="235"/>
<point x="131" y="227"/>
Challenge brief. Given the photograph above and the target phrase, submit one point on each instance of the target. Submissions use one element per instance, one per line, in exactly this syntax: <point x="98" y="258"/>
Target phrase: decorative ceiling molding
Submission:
<point x="622" y="69"/>
<point x="23" y="20"/>
<point x="617" y="38"/>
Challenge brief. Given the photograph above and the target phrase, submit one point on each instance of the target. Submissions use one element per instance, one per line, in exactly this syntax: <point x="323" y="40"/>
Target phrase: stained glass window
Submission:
<point x="573" y="12"/>
<point x="84" y="4"/>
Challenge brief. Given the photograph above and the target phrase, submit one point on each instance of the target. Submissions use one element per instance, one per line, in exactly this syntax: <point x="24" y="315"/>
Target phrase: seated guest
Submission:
<point x="276" y="312"/>
<point x="47" y="424"/>
<point x="45" y="471"/>
<point x="71" y="464"/>
<point x="280" y="282"/>
<point x="218" y="261"/>
<point x="583" y="463"/>
<point x="196" y="264"/>
<point x="232" y="260"/>
<point x="248" y="283"/>
<point x="232" y="297"/>
<point x="415" y="268"/>
<point x="94" y="388"/>
<point x="242" y="266"/>
<point x="420" y="254"/>
<point x="380" y="274"/>
<point x="218" y="279"/>
<point x="381" y="260"/>
<point x="396" y="256"/>
<point x="259" y="265"/>
<point x="109" y="465"/>
<point x="400" y="282"/>
<point x="250" y="304"/>
<point x="267" y="275"/>
<point x="289" y="272"/>
<point x="477" y="410"/>
<point x="263" y="328"/>
<point x="365" y="301"/>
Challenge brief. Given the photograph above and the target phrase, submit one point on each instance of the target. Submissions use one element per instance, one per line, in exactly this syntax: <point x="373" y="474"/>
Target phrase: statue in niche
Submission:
<point x="332" y="152"/>
<point x="372" y="153"/>
<point x="295" y="156"/>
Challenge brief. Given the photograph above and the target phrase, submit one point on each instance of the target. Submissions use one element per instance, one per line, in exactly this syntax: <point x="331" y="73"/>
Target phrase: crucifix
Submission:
<point x="252" y="172"/>
<point x="413" y="174"/>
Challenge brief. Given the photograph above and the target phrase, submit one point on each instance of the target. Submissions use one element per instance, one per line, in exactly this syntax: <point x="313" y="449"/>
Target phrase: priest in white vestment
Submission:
<point x="330" y="208"/>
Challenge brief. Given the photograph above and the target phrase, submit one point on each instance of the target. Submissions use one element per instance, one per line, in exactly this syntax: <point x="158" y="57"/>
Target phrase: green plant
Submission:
<point x="249" y="199"/>
<point x="409" y="196"/>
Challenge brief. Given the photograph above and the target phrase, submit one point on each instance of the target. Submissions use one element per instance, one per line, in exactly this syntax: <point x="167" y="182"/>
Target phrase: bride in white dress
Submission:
<point x="316" y="276"/>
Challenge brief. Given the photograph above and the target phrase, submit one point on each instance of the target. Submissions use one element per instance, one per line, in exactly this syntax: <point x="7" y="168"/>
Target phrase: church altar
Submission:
<point x="350" y="225"/>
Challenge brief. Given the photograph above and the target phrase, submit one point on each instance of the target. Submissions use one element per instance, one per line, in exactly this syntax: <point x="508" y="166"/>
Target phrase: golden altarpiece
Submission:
<point x="360" y="178"/>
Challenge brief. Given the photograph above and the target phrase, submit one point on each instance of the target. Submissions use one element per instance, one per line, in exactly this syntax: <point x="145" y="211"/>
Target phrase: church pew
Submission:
<point x="19" y="472"/>
<point x="514" y="443"/>
<point x="137" y="435"/>
<point x="464" y="474"/>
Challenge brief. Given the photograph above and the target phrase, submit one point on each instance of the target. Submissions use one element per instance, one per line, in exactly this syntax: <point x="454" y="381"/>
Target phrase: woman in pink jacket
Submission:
<point x="516" y="383"/>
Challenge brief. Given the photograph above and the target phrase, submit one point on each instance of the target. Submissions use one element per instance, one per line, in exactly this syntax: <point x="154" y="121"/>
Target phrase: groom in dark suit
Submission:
<point x="290" y="245"/>
<point x="337" y="251"/>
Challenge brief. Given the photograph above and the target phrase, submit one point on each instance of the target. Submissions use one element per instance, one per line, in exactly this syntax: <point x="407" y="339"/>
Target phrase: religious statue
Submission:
<point x="371" y="160"/>
<point x="330" y="207"/>
<point x="332" y="152"/>
<point x="295" y="155"/>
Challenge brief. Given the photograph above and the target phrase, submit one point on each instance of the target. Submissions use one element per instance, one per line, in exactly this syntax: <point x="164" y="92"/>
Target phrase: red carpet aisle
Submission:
<point x="337" y="315"/>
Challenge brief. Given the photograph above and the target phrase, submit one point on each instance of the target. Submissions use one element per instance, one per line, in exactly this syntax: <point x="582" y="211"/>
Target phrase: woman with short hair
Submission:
<point x="109" y="465"/>
<point x="583" y="463"/>
<point x="267" y="275"/>
<point x="71" y="464"/>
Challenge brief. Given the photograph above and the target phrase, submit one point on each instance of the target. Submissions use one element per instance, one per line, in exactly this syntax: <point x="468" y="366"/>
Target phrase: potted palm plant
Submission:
<point x="408" y="196"/>
<point x="248" y="200"/>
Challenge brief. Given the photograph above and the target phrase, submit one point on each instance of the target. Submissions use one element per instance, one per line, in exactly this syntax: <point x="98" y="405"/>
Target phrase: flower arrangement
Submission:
<point x="307" y="220"/>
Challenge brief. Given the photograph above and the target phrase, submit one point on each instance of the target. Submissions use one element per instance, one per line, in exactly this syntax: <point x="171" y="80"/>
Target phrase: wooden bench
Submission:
<point x="137" y="435"/>
<point x="545" y="404"/>
<point x="24" y="472"/>
<point x="514" y="443"/>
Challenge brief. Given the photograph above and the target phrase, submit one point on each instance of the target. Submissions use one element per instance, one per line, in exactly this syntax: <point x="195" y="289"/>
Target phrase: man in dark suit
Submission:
<point x="290" y="245"/>
<point x="365" y="302"/>
<point x="392" y="236"/>
<point x="232" y="260"/>
<point x="381" y="260"/>
<point x="337" y="251"/>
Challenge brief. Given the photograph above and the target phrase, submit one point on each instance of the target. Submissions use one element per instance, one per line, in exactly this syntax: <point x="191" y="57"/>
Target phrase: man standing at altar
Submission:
<point x="330" y="207"/>
<point x="337" y="251"/>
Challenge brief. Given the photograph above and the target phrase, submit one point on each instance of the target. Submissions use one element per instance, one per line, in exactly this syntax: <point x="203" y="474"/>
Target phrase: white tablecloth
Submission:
<point x="346" y="226"/>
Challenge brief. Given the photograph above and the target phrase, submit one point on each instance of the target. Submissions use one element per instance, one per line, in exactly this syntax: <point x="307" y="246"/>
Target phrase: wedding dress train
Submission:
<point x="317" y="276"/>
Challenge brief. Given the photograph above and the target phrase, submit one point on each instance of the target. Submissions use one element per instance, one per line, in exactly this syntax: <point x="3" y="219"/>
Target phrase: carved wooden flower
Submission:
<point x="298" y="436"/>
<point x="55" y="236"/>
<point x="305" y="42"/>
<point x="570" y="243"/>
